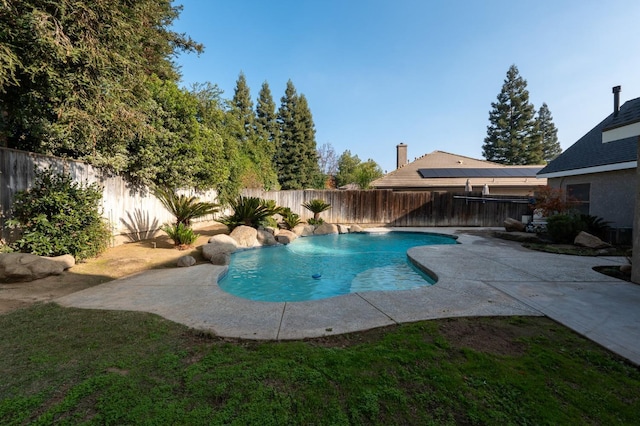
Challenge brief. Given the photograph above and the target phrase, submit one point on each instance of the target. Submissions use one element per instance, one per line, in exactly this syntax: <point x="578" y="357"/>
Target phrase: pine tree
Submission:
<point x="267" y="132"/>
<point x="512" y="135"/>
<point x="296" y="156"/>
<point x="548" y="134"/>
<point x="243" y="107"/>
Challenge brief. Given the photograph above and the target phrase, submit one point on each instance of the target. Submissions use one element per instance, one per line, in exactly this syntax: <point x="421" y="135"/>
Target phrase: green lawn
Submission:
<point x="78" y="366"/>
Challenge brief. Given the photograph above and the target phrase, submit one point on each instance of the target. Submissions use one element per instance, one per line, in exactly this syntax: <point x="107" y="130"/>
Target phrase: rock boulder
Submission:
<point x="584" y="239"/>
<point x="22" y="267"/>
<point x="325" y="229"/>
<point x="286" y="237"/>
<point x="219" y="244"/>
<point x="186" y="261"/>
<point x="266" y="238"/>
<point x="343" y="229"/>
<point x="355" y="229"/>
<point x="66" y="260"/>
<point x="245" y="236"/>
<point x="513" y="225"/>
<point x="221" y="259"/>
<point x="304" y="230"/>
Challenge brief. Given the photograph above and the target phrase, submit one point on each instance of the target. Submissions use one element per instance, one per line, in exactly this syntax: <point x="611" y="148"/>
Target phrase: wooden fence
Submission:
<point x="418" y="208"/>
<point x="133" y="212"/>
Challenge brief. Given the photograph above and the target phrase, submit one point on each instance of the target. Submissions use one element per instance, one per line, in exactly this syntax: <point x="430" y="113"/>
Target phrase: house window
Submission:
<point x="580" y="193"/>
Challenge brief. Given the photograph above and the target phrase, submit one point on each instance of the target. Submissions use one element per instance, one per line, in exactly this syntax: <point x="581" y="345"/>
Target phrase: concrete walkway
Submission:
<point x="479" y="277"/>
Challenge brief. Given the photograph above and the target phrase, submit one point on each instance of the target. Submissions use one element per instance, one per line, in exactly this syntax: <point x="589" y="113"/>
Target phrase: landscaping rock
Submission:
<point x="245" y="236"/>
<point x="354" y="229"/>
<point x="22" y="267"/>
<point x="584" y="239"/>
<point x="285" y="236"/>
<point x="221" y="259"/>
<point x="325" y="229"/>
<point x="224" y="239"/>
<point x="66" y="260"/>
<point x="186" y="261"/>
<point x="266" y="238"/>
<point x="219" y="244"/>
<point x="343" y="229"/>
<point x="513" y="225"/>
<point x="304" y="230"/>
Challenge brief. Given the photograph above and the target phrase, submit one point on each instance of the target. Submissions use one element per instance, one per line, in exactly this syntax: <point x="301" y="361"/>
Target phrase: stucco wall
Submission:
<point x="612" y="194"/>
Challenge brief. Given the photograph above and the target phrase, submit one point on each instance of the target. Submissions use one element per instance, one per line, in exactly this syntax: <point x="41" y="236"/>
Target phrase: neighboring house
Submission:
<point x="599" y="169"/>
<point x="442" y="171"/>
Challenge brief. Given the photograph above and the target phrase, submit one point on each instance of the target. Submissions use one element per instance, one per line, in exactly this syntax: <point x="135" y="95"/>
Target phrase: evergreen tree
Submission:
<point x="512" y="135"/>
<point x="296" y="156"/>
<point x="242" y="107"/>
<point x="267" y="130"/>
<point x="548" y="134"/>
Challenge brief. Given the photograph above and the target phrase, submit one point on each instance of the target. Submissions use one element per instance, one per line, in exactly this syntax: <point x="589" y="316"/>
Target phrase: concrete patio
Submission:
<point x="481" y="276"/>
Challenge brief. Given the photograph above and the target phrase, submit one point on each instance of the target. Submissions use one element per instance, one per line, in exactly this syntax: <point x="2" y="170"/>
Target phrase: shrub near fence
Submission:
<point x="133" y="212"/>
<point x="418" y="208"/>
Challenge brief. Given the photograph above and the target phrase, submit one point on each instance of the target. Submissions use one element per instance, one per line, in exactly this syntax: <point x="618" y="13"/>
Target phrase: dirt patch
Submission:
<point x="484" y="335"/>
<point x="116" y="262"/>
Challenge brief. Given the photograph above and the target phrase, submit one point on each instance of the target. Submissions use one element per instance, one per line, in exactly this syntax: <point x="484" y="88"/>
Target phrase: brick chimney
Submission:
<point x="616" y="100"/>
<point x="401" y="158"/>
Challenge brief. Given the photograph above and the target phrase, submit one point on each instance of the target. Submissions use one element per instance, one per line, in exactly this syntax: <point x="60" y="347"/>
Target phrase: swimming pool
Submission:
<point x="329" y="265"/>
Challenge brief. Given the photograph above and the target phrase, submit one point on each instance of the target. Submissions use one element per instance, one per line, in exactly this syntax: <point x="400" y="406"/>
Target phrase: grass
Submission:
<point x="70" y="366"/>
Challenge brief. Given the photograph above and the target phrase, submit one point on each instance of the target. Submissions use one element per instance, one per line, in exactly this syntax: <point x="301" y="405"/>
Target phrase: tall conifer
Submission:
<point x="512" y="135"/>
<point x="548" y="134"/>
<point x="296" y="156"/>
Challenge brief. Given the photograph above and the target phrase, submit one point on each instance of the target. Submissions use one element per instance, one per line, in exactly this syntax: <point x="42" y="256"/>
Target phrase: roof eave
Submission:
<point x="590" y="170"/>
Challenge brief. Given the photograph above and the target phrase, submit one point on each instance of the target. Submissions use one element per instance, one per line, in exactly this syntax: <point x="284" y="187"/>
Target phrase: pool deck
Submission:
<point x="479" y="277"/>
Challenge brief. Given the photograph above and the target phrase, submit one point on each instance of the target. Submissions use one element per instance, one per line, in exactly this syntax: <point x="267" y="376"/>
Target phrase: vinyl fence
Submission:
<point x="133" y="213"/>
<point x="387" y="207"/>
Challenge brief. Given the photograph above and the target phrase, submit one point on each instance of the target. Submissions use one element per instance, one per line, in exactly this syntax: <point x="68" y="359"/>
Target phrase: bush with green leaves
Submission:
<point x="59" y="216"/>
<point x="289" y="218"/>
<point x="250" y="211"/>
<point x="595" y="225"/>
<point x="563" y="228"/>
<point x="181" y="234"/>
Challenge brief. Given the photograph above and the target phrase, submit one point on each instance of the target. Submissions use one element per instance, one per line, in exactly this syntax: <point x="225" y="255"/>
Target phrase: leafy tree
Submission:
<point x="512" y="135"/>
<point x="58" y="216"/>
<point x="347" y="164"/>
<point x="75" y="84"/>
<point x="367" y="172"/>
<point x="225" y="152"/>
<point x="296" y="157"/>
<point x="548" y="134"/>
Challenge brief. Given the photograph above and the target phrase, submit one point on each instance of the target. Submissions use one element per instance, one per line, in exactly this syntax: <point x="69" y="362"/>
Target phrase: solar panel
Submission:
<point x="480" y="172"/>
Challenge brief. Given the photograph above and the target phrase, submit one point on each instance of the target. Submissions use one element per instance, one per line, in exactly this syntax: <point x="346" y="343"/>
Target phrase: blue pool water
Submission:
<point x="330" y="265"/>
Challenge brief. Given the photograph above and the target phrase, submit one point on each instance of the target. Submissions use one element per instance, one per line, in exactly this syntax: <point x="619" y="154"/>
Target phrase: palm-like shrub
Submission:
<point x="316" y="207"/>
<point x="184" y="208"/>
<point x="181" y="234"/>
<point x="250" y="211"/>
<point x="289" y="218"/>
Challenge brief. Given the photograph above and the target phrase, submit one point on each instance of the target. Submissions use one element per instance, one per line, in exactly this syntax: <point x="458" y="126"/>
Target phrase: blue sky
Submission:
<point x="377" y="73"/>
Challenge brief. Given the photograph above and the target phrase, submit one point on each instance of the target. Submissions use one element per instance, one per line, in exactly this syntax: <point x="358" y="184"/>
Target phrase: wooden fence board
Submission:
<point x="407" y="208"/>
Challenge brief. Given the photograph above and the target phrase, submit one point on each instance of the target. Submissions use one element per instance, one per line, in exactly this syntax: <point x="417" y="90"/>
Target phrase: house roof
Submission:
<point x="589" y="154"/>
<point x="443" y="169"/>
